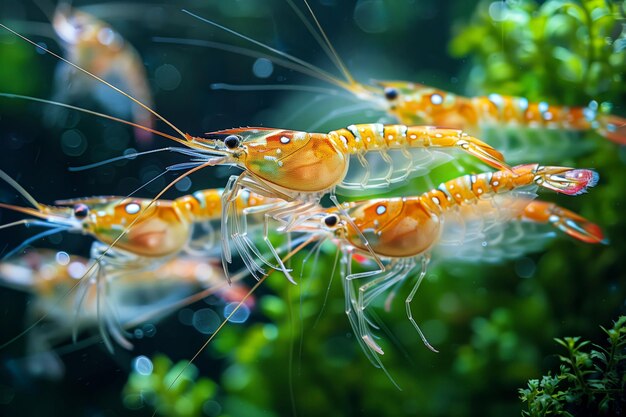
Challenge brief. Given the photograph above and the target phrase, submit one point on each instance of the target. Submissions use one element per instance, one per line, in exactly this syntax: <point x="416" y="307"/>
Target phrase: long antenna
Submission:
<point x="177" y="130"/>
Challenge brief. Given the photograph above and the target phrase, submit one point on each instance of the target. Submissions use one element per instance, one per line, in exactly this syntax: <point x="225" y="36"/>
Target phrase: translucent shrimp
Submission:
<point x="414" y="104"/>
<point x="301" y="167"/>
<point x="141" y="297"/>
<point x="95" y="46"/>
<point x="470" y="210"/>
<point x="164" y="230"/>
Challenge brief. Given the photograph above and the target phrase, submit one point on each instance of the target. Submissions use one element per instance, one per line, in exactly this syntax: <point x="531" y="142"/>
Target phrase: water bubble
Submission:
<point x="149" y="330"/>
<point x="62" y="258"/>
<point x="525" y="267"/>
<point x="143" y="365"/>
<point x="262" y="68"/>
<point x="138" y="333"/>
<point x="212" y="408"/>
<point x="240" y="316"/>
<point x="371" y="16"/>
<point x="183" y="185"/>
<point x="167" y="77"/>
<point x="498" y="11"/>
<point x="185" y="316"/>
<point x="206" y="321"/>
<point x="73" y="143"/>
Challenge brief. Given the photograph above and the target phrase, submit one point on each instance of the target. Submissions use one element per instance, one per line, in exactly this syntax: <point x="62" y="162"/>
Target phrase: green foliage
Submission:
<point x="568" y="52"/>
<point x="172" y="390"/>
<point x="589" y="382"/>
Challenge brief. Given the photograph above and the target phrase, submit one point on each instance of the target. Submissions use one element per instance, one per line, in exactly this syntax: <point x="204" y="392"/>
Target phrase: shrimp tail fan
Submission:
<point x="613" y="128"/>
<point x="567" y="180"/>
<point x="565" y="220"/>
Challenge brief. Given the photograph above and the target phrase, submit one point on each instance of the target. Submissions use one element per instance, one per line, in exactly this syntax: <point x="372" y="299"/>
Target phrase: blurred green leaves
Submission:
<point x="567" y="52"/>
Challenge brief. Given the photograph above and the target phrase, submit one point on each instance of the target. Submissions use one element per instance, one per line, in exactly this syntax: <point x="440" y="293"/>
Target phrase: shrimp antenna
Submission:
<point x="326" y="45"/>
<point x="20" y="189"/>
<point x="97" y="261"/>
<point x="321" y="73"/>
<point x="235" y="310"/>
<point x="167" y="122"/>
<point x="95" y="113"/>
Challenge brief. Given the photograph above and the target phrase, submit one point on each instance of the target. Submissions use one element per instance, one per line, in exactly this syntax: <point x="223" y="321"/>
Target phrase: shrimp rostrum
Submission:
<point x="301" y="167"/>
<point x="405" y="231"/>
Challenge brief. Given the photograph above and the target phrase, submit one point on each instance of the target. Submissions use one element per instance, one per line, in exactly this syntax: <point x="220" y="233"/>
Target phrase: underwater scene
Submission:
<point x="312" y="208"/>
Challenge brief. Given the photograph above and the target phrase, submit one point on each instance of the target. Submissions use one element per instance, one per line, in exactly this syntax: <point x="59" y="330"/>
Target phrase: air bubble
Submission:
<point x="240" y="316"/>
<point x="143" y="365"/>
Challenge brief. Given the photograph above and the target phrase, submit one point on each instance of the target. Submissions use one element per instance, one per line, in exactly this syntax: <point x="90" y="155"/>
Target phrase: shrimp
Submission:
<point x="412" y="103"/>
<point x="301" y="167"/>
<point x="95" y="46"/>
<point x="404" y="232"/>
<point x="138" y="297"/>
<point x="164" y="231"/>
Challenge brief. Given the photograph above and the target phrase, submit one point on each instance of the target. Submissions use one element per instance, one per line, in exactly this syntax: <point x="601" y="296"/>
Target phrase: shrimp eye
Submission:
<point x="232" y="141"/>
<point x="81" y="211"/>
<point x="391" y="93"/>
<point x="331" y="220"/>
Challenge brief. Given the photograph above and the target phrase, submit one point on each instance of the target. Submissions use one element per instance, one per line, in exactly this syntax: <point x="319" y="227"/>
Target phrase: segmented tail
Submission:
<point x="566" y="180"/>
<point x="612" y="128"/>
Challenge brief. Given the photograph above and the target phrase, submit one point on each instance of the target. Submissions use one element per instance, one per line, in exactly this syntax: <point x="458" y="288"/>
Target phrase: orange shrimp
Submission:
<point x="415" y="104"/>
<point x="301" y="167"/>
<point x="405" y="231"/>
<point x="137" y="297"/>
<point x="92" y="44"/>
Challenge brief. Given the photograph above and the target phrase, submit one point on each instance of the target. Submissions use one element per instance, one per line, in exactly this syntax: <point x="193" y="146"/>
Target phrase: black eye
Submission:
<point x="391" y="93"/>
<point x="81" y="211"/>
<point x="232" y="141"/>
<point x="331" y="220"/>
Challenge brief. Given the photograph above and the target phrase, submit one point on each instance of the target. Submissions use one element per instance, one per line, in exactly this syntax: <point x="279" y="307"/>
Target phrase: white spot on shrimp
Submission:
<point x="522" y="103"/>
<point x="543" y="107"/>
<point x="496" y="183"/>
<point x="280" y="163"/>
<point x="76" y="270"/>
<point x="106" y="36"/>
<point x="438" y="135"/>
<point x="436" y="200"/>
<point x="589" y="114"/>
<point x="496" y="99"/>
<point x="284" y="140"/>
<point x="479" y="191"/>
<point x="381" y="209"/>
<point x="279" y="151"/>
<point x="132" y="208"/>
<point x="547" y="116"/>
<point x="436" y="99"/>
<point x="390" y="137"/>
<point x="413" y="137"/>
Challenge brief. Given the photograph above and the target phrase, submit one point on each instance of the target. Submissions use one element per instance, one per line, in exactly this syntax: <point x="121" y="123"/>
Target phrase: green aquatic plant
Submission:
<point x="589" y="382"/>
<point x="173" y="390"/>
<point x="565" y="51"/>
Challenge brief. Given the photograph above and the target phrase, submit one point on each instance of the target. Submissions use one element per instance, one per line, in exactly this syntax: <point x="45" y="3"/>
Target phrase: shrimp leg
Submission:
<point x="409" y="299"/>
